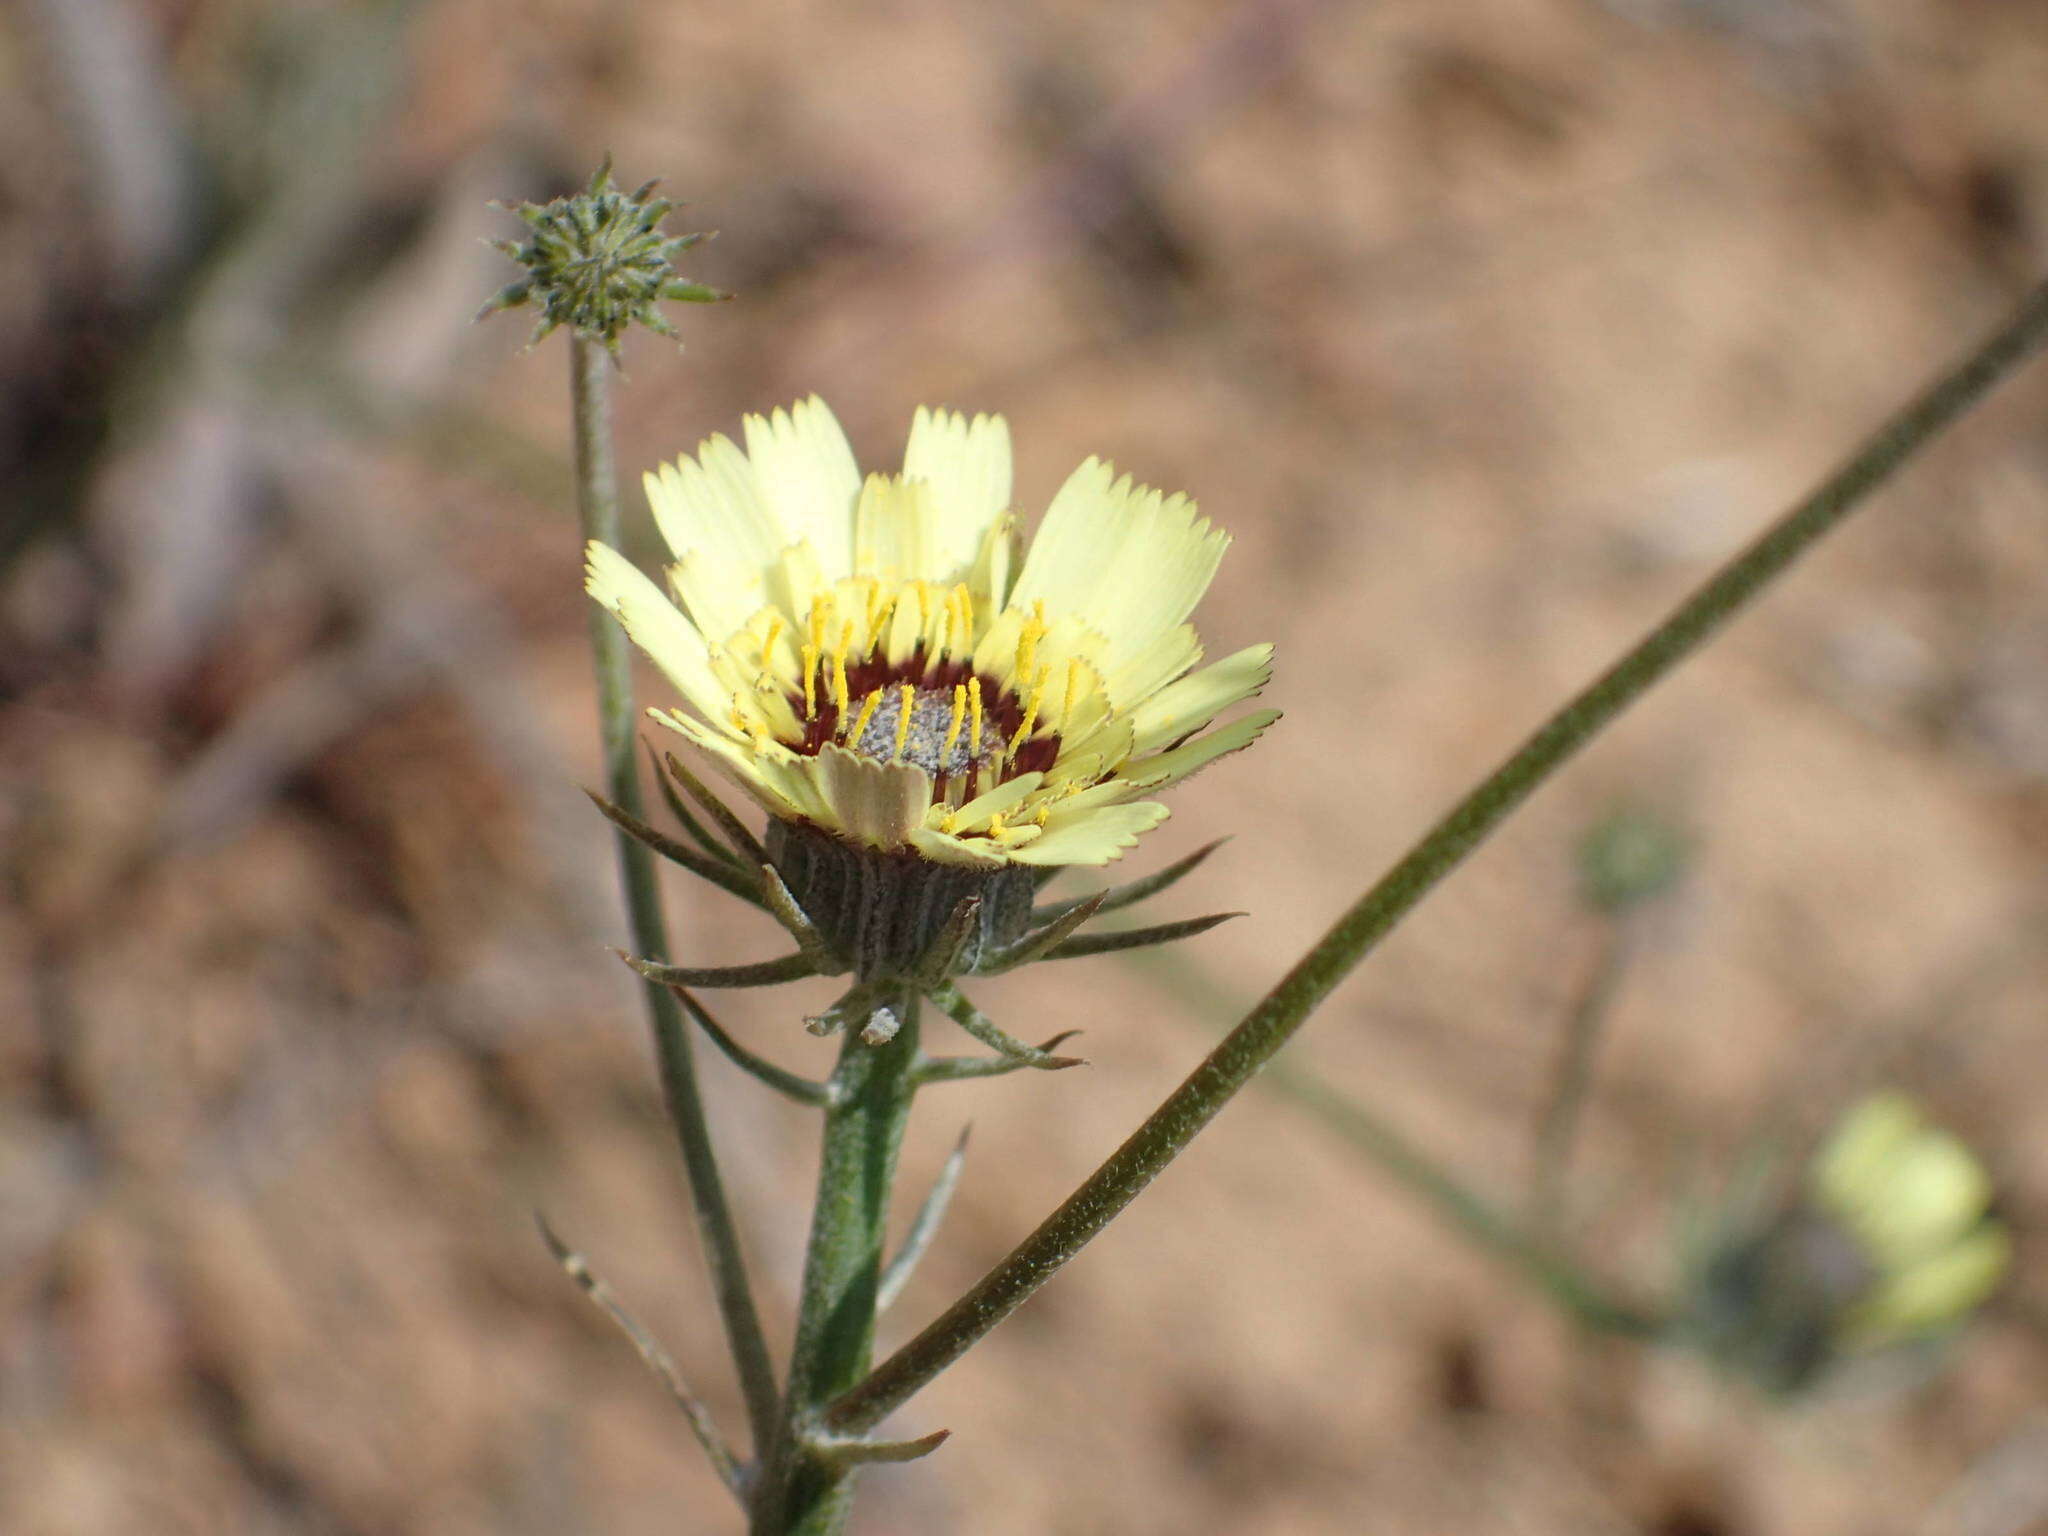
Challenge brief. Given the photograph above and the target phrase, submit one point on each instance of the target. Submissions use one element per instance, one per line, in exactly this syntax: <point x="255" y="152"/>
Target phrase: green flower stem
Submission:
<point x="868" y="1105"/>
<point x="1526" y="1249"/>
<point x="1550" y="1270"/>
<point x="597" y="503"/>
<point x="1248" y="1047"/>
<point x="1584" y="1028"/>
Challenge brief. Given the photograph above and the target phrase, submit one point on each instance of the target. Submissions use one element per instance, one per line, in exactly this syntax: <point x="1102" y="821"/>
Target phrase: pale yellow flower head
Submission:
<point x="1889" y="1237"/>
<point x="871" y="657"/>
<point x="1917" y="1201"/>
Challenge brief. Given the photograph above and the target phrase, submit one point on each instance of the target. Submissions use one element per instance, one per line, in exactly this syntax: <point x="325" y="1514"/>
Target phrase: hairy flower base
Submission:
<point x="884" y="911"/>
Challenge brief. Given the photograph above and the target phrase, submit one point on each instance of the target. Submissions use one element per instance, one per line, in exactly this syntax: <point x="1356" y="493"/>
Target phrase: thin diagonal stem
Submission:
<point x="923" y="1228"/>
<point x="1525" y="1249"/>
<point x="652" y="1355"/>
<point x="597" y="504"/>
<point x="1274" y="1019"/>
<point x="1564" y="1106"/>
<point x="1550" y="1270"/>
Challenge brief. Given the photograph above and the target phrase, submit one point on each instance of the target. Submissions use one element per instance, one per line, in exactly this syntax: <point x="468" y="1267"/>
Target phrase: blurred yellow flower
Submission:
<point x="1916" y="1201"/>
<point x="870" y="657"/>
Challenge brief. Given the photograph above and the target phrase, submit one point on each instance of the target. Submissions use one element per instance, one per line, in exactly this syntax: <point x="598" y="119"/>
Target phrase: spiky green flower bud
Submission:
<point x="598" y="262"/>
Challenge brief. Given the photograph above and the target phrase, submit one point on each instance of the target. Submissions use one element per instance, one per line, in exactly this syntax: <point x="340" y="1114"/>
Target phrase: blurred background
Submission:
<point x="1486" y="329"/>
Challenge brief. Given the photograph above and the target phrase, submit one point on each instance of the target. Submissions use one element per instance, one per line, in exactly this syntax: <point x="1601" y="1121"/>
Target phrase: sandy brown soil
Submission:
<point x="1485" y="329"/>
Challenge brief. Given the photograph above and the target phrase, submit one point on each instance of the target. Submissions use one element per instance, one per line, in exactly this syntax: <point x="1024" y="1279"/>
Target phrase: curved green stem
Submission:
<point x="1272" y="1021"/>
<point x="597" y="504"/>
<point x="1563" y="1107"/>
<point x="1549" y="1269"/>
<point x="1528" y="1250"/>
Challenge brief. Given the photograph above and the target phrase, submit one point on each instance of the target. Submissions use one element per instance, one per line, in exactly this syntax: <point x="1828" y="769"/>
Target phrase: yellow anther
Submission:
<point x="974" y="719"/>
<point x="950" y="823"/>
<point x="953" y="725"/>
<point x="867" y="713"/>
<point x="810" y="682"/>
<point x="1073" y="693"/>
<point x="839" y="682"/>
<point x="1027" y="645"/>
<point x="906" y="697"/>
<point x="1030" y="719"/>
<point x="765" y="678"/>
<point x="924" y="607"/>
<point x="996" y="825"/>
<point x="820" y="616"/>
<point x="1044" y="815"/>
<point x="874" y="599"/>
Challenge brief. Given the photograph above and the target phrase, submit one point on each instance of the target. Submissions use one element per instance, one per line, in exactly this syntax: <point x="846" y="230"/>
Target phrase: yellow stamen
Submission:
<point x="1030" y="719"/>
<point x="765" y="678"/>
<point x="810" y="682"/>
<point x="924" y="607"/>
<point x="950" y="822"/>
<point x="874" y="598"/>
<point x="1027" y="645"/>
<point x="1044" y="815"/>
<point x="974" y="719"/>
<point x="1073" y="693"/>
<point x="839" y="695"/>
<point x="867" y="713"/>
<point x="906" y="698"/>
<point x="996" y="826"/>
<point x="953" y="725"/>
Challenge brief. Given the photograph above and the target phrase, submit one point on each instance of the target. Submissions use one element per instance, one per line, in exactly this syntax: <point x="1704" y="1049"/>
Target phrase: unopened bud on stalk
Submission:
<point x="598" y="262"/>
<point x="1628" y="857"/>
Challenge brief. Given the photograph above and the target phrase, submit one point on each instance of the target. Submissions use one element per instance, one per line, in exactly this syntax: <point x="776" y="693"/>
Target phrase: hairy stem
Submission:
<point x="597" y="503"/>
<point x="1274" y="1019"/>
<point x="868" y="1105"/>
